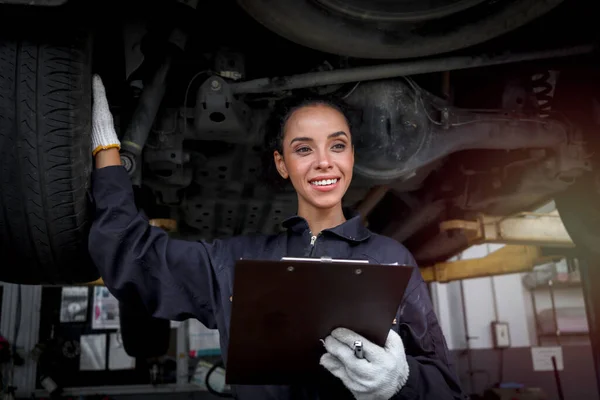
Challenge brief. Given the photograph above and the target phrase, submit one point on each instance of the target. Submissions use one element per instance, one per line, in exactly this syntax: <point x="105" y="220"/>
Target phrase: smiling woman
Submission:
<point x="277" y="124"/>
<point x="314" y="151"/>
<point x="310" y="144"/>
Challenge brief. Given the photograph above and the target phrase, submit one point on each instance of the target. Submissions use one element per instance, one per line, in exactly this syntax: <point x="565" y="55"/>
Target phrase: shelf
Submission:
<point x="125" y="389"/>
<point x="563" y="334"/>
<point x="558" y="285"/>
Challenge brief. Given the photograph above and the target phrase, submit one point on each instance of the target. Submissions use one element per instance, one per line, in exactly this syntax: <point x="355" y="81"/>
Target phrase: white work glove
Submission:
<point x="103" y="128"/>
<point x="378" y="376"/>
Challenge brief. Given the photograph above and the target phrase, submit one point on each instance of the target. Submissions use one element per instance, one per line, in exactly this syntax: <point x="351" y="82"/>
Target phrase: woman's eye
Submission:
<point x="339" y="146"/>
<point x="302" y="150"/>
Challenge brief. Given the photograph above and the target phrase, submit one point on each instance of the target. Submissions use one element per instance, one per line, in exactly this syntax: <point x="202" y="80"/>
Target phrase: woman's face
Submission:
<point x="318" y="156"/>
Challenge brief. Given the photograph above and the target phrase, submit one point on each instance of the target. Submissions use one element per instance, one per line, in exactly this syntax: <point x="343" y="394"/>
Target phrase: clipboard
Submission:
<point x="281" y="310"/>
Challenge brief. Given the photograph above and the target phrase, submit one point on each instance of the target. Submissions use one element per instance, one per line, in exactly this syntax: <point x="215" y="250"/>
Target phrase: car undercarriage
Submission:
<point x="424" y="151"/>
<point x="463" y="110"/>
<point x="457" y="107"/>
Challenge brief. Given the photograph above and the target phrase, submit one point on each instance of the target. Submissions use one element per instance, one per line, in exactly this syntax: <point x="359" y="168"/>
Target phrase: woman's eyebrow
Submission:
<point x="301" y="139"/>
<point x="307" y="139"/>
<point x="337" y="134"/>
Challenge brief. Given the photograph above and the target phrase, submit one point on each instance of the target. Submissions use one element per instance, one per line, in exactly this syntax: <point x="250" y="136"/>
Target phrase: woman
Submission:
<point x="312" y="147"/>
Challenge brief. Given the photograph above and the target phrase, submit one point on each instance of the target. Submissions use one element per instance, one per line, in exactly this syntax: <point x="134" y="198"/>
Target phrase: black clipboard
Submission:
<point x="281" y="310"/>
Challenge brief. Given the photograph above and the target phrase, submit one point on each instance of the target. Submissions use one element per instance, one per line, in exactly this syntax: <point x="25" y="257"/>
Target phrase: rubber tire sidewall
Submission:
<point x="579" y="209"/>
<point x="577" y="97"/>
<point x="306" y="24"/>
<point x="45" y="142"/>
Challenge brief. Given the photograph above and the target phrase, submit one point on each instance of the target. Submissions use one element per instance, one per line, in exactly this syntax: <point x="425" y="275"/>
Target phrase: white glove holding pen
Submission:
<point x="103" y="128"/>
<point x="378" y="376"/>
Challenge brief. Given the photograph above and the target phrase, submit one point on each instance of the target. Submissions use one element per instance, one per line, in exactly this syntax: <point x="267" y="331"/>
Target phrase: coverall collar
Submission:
<point x="352" y="230"/>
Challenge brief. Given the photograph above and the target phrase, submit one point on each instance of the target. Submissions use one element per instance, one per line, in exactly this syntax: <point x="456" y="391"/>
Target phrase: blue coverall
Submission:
<point x="177" y="279"/>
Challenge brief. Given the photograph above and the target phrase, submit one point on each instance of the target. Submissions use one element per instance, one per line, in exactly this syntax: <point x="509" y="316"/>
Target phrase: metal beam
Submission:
<point x="404" y="68"/>
<point x="507" y="260"/>
<point x="530" y="229"/>
<point x="169" y="225"/>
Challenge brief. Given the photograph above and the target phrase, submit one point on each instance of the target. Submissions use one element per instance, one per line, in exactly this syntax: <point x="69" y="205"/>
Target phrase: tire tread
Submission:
<point x="45" y="160"/>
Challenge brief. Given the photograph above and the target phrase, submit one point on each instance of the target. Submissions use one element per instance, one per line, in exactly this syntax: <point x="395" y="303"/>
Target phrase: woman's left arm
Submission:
<point x="415" y="362"/>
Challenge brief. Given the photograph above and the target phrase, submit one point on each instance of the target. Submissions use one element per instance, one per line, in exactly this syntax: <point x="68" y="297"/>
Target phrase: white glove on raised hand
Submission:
<point x="378" y="376"/>
<point x="103" y="128"/>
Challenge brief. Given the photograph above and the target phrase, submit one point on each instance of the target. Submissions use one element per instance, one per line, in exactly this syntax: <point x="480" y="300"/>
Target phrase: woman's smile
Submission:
<point x="325" y="184"/>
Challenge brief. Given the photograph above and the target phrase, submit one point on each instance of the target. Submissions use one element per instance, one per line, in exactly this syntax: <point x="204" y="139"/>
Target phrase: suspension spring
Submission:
<point x="542" y="84"/>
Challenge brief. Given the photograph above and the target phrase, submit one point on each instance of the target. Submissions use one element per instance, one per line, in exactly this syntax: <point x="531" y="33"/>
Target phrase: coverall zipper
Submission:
<point x="313" y="242"/>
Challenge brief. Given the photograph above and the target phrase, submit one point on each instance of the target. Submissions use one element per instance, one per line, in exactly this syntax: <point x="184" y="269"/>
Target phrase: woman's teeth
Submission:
<point x="324" y="182"/>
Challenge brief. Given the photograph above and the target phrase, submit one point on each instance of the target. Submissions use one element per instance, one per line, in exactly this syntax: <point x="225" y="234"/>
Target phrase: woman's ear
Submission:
<point x="280" y="165"/>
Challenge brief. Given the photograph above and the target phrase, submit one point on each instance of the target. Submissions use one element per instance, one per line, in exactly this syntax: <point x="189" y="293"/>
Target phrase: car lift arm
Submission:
<point x="523" y="235"/>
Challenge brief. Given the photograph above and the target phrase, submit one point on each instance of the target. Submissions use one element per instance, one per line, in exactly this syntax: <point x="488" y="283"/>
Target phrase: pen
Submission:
<point x="358" y="349"/>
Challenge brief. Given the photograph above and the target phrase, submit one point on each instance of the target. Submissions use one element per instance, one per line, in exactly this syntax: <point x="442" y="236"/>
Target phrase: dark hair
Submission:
<point x="275" y="124"/>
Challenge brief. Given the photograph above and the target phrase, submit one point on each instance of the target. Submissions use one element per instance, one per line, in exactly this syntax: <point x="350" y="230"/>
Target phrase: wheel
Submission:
<point x="45" y="158"/>
<point x="577" y="98"/>
<point x="579" y="209"/>
<point x="387" y="29"/>
<point x="143" y="336"/>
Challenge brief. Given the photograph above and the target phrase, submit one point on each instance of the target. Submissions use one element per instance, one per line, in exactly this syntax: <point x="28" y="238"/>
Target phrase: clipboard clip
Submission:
<point x="325" y="259"/>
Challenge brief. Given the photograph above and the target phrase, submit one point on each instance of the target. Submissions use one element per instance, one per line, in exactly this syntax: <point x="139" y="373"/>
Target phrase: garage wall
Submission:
<point x="500" y="298"/>
<point x="505" y="298"/>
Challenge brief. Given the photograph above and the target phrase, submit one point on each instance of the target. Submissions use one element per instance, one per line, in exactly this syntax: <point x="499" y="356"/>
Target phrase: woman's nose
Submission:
<point x="324" y="160"/>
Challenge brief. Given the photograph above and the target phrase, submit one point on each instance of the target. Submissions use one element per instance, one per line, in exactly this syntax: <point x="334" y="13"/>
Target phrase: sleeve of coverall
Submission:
<point x="431" y="375"/>
<point x="174" y="279"/>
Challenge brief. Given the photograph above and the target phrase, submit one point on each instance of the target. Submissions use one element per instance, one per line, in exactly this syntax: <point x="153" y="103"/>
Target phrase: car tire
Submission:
<point x="45" y="157"/>
<point x="334" y="26"/>
<point x="577" y="99"/>
<point x="579" y="210"/>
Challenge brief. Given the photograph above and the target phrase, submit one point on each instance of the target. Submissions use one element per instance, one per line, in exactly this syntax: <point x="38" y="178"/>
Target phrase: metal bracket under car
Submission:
<point x="218" y="115"/>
